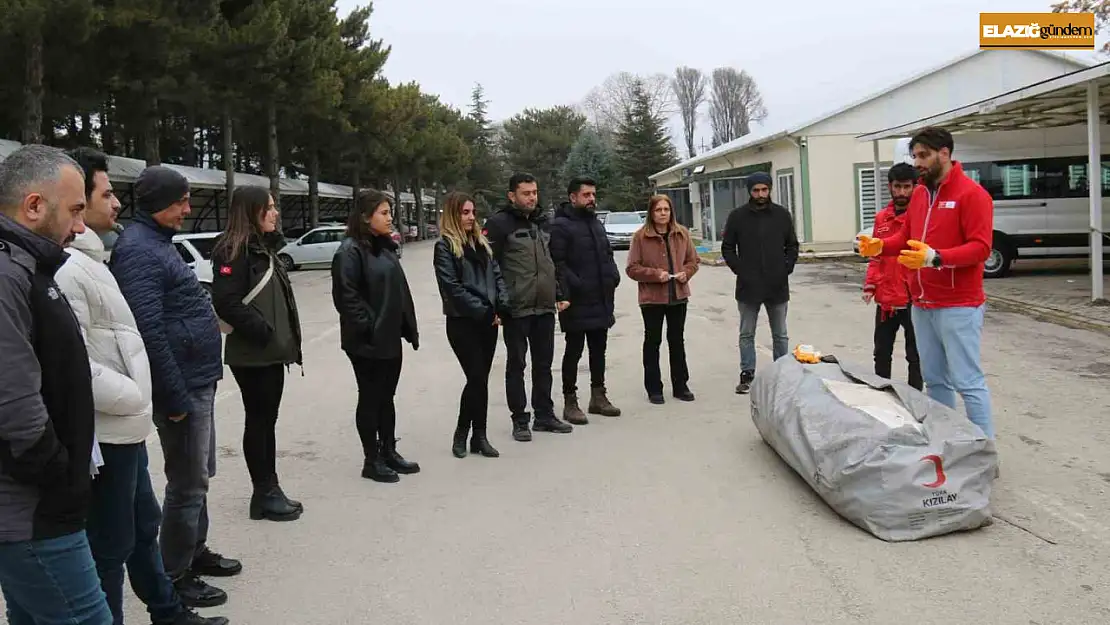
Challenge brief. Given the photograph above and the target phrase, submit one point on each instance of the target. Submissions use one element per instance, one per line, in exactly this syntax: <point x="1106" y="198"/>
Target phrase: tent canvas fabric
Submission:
<point x="882" y="454"/>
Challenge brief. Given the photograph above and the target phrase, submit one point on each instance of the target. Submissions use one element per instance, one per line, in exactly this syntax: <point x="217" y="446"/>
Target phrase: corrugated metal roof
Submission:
<point x="125" y="170"/>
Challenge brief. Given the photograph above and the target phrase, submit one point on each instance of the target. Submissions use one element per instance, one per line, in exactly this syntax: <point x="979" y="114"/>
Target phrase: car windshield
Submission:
<point x="623" y="219"/>
<point x="204" y="246"/>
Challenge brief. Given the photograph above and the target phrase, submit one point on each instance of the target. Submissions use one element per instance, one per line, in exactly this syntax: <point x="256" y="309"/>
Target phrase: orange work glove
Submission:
<point x="918" y="256"/>
<point x="869" y="246"/>
<point x="806" y="354"/>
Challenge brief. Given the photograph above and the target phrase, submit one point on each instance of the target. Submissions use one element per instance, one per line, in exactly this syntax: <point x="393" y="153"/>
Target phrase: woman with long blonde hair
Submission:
<point x="474" y="300"/>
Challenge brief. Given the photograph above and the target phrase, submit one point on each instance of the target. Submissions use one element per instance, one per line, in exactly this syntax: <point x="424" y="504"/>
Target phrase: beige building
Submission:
<point x="822" y="172"/>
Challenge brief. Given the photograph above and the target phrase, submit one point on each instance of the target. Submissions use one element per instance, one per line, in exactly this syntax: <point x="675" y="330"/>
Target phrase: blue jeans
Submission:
<point x="189" y="449"/>
<point x="52" y="582"/>
<point x="123" y="530"/>
<point x="948" y="342"/>
<point x="749" y="319"/>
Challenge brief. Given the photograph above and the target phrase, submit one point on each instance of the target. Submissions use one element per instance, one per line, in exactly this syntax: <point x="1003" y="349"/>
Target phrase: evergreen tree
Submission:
<point x="486" y="173"/>
<point x="591" y="157"/>
<point x="538" y="141"/>
<point x="643" y="148"/>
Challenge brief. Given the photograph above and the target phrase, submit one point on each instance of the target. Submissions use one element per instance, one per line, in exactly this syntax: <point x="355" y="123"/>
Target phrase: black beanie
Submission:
<point x="158" y="187"/>
<point x="757" y="178"/>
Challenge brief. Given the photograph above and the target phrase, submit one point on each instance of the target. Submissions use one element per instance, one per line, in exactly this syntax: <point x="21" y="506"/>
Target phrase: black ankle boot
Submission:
<point x="479" y="444"/>
<point x="291" y="502"/>
<point x="458" y="445"/>
<point x="376" y="469"/>
<point x="267" y="503"/>
<point x="397" y="462"/>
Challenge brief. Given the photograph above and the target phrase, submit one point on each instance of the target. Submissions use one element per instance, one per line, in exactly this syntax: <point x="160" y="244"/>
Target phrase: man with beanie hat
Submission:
<point x="182" y="336"/>
<point x="760" y="246"/>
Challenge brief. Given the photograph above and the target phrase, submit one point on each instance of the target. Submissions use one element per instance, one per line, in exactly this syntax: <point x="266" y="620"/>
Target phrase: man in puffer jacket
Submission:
<point x="588" y="278"/>
<point x="887" y="281"/>
<point x="124" y="514"/>
<point x="182" y="336"/>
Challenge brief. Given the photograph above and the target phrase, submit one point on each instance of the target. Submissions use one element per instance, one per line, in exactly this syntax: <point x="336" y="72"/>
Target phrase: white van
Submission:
<point x="1041" y="207"/>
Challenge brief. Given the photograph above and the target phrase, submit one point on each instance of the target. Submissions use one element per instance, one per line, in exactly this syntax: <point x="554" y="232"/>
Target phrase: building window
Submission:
<point x="784" y="190"/>
<point x="1036" y="179"/>
<point x="865" y="186"/>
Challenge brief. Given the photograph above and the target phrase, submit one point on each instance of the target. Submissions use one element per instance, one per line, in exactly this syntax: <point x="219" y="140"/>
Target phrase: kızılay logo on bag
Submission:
<point x="942" y="496"/>
<point x="938" y="466"/>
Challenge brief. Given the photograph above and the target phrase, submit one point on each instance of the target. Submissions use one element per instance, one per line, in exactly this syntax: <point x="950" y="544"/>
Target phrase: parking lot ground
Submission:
<point x="1056" y="289"/>
<point x="675" y="514"/>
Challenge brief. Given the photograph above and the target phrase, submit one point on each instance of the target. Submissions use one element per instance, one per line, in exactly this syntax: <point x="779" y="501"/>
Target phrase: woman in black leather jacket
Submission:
<point x="474" y="300"/>
<point x="376" y="312"/>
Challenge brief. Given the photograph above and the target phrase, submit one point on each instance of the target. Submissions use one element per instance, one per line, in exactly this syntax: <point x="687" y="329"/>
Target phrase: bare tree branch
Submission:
<point x="735" y="102"/>
<point x="607" y="104"/>
<point x="1101" y="9"/>
<point x="689" y="91"/>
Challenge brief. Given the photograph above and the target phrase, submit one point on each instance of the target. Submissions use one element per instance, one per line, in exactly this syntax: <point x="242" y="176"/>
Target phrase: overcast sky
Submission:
<point x="807" y="57"/>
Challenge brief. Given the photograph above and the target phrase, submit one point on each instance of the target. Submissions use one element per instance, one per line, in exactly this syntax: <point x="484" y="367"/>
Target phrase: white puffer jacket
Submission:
<point x="117" y="357"/>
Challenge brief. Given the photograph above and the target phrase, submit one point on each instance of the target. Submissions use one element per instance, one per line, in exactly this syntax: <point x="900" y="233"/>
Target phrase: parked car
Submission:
<point x="196" y="249"/>
<point x="296" y="232"/>
<point x="619" y="228"/>
<point x="317" y="247"/>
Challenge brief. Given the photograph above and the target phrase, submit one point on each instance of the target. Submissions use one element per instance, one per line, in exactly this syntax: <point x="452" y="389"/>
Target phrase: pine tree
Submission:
<point x="486" y="171"/>
<point x="643" y="148"/>
<point x="591" y="157"/>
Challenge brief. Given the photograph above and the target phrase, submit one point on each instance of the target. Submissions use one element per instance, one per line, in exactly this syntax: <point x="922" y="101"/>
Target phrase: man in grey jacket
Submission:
<point x="47" y="572"/>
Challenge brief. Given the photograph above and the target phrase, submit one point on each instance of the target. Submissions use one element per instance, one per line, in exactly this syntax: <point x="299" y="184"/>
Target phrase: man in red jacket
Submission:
<point x="887" y="281"/>
<point x="944" y="241"/>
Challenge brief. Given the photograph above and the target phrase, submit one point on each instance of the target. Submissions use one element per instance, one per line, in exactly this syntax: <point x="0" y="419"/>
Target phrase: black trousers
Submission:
<point x="675" y="318"/>
<point x="376" y="414"/>
<point x="261" y="389"/>
<point x="474" y="344"/>
<point x="886" y="330"/>
<point x="576" y="342"/>
<point x="535" y="333"/>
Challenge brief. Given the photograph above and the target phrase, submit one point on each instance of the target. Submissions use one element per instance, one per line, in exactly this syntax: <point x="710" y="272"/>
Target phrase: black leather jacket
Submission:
<point x="470" y="286"/>
<point x="372" y="296"/>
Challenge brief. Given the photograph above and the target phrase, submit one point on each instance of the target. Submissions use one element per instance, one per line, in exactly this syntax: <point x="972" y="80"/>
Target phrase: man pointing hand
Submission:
<point x="945" y="239"/>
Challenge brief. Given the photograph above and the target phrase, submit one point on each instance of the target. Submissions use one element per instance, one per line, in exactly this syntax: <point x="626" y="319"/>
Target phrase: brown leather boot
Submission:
<point x="600" y="404"/>
<point x="571" y="412"/>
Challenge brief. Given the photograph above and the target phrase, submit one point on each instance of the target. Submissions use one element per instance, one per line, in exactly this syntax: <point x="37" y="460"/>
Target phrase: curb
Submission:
<point x="1050" y="315"/>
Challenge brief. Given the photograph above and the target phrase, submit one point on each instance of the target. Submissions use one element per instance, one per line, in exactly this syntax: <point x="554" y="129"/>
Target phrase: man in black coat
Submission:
<point x="588" y="277"/>
<point x="760" y="246"/>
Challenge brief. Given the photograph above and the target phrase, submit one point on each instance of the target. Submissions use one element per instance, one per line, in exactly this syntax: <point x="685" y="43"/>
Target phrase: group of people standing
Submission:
<point x="525" y="270"/>
<point x="97" y="352"/>
<point x="101" y="348"/>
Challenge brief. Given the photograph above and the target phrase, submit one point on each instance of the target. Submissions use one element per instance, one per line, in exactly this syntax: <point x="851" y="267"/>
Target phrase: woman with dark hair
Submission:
<point x="254" y="299"/>
<point x="474" y="300"/>
<point x="376" y="312"/>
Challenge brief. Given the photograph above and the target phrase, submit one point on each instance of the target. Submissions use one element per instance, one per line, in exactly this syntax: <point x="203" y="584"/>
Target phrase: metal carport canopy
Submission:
<point x="1072" y="99"/>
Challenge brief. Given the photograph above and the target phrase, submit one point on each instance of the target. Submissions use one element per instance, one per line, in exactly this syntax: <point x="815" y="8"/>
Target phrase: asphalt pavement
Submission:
<point x="676" y="514"/>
